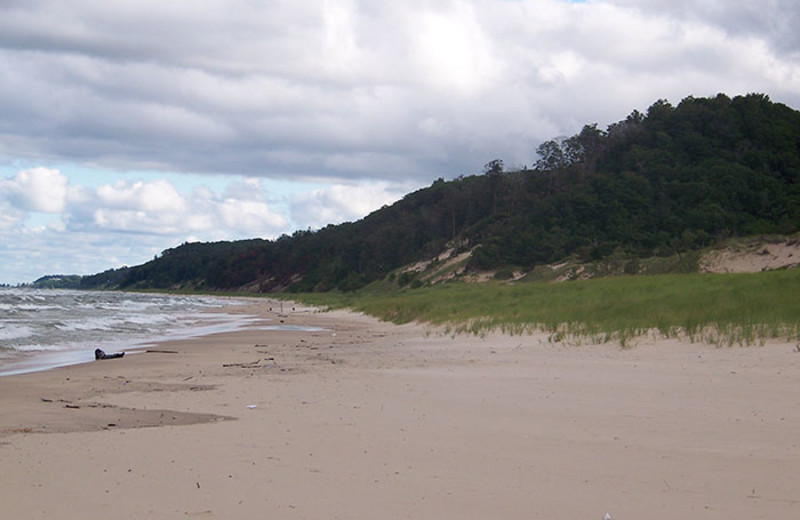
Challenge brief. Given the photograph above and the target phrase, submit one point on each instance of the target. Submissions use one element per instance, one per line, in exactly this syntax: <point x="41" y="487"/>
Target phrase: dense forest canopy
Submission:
<point x="656" y="183"/>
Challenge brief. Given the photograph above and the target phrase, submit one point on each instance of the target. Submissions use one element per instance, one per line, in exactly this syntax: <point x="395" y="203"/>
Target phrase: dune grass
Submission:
<point x="721" y="309"/>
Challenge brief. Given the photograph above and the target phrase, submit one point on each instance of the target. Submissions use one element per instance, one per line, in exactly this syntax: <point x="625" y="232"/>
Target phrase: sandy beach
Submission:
<point x="363" y="420"/>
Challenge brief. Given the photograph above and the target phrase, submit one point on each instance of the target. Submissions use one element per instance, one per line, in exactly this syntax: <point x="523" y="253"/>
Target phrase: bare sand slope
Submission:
<point x="366" y="420"/>
<point x="753" y="256"/>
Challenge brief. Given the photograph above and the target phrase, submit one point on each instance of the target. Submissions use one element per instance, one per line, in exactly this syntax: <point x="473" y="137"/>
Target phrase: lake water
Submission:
<point x="44" y="328"/>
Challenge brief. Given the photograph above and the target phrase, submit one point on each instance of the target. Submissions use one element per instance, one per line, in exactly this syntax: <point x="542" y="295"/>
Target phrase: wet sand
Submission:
<point x="365" y="420"/>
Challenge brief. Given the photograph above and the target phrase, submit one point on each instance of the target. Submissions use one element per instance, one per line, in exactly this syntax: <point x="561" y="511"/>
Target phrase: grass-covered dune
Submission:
<point x="724" y="309"/>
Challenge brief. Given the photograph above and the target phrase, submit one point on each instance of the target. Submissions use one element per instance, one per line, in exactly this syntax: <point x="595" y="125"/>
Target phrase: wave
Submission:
<point x="9" y="332"/>
<point x="40" y="348"/>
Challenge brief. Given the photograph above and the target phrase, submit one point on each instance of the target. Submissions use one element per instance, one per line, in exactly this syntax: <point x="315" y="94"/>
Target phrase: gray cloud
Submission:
<point x="772" y="21"/>
<point x="358" y="89"/>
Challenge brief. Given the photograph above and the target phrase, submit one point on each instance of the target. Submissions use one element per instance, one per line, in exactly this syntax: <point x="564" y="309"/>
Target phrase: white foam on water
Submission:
<point x="8" y="332"/>
<point x="40" y="348"/>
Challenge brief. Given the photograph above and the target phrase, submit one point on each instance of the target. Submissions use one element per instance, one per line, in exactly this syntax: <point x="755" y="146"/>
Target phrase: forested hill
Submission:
<point x="669" y="180"/>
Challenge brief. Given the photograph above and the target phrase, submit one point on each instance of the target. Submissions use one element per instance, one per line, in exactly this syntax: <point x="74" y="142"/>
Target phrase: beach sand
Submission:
<point x="366" y="420"/>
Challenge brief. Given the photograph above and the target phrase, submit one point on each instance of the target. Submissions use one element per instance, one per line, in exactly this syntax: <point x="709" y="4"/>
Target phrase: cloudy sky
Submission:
<point x="131" y="126"/>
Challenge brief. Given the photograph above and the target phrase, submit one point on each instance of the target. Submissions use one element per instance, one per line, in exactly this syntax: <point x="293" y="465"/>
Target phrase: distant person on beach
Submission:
<point x="99" y="354"/>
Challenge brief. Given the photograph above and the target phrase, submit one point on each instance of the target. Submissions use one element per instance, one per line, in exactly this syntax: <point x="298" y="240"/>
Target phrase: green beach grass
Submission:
<point x="722" y="309"/>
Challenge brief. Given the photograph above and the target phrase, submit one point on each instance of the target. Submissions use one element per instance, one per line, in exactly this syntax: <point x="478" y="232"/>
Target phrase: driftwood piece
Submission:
<point x="99" y="354"/>
<point x="158" y="351"/>
<point x="243" y="365"/>
<point x="251" y="364"/>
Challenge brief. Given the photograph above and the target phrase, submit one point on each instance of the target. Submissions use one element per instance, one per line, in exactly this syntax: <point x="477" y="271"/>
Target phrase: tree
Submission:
<point x="494" y="167"/>
<point x="551" y="156"/>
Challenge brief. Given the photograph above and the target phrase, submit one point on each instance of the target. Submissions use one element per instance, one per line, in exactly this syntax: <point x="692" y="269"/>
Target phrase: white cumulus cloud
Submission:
<point x="343" y="202"/>
<point x="37" y="189"/>
<point x="156" y="197"/>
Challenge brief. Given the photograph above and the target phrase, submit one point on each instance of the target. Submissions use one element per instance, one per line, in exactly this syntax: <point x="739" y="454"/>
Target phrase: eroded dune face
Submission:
<point x="752" y="258"/>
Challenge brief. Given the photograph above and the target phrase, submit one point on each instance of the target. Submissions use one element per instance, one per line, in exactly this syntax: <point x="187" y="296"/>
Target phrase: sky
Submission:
<point x="131" y="126"/>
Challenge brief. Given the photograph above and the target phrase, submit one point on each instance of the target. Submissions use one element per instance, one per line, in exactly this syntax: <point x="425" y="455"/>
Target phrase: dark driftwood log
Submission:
<point x="99" y="354"/>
